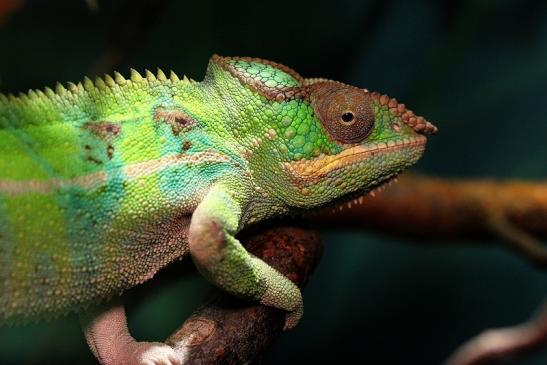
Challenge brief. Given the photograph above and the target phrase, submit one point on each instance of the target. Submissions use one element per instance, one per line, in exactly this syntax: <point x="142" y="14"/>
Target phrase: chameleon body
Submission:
<point x="104" y="183"/>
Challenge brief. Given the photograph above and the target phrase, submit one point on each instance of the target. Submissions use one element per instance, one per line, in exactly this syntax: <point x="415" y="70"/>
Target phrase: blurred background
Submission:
<point x="477" y="69"/>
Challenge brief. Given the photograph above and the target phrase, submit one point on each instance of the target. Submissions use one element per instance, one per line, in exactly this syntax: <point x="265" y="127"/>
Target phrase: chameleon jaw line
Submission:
<point x="323" y="165"/>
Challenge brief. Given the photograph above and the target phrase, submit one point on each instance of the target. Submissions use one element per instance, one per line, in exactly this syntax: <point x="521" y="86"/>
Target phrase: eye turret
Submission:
<point x="345" y="112"/>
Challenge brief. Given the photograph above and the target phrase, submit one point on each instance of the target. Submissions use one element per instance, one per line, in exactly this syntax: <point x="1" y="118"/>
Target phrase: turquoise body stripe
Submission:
<point x="87" y="213"/>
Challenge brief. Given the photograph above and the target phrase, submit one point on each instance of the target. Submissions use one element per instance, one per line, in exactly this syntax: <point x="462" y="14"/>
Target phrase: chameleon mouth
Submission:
<point x="322" y="166"/>
<point x="356" y="198"/>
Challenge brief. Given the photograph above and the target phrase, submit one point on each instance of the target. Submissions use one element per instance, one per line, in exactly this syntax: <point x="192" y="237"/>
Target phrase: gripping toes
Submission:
<point x="154" y="353"/>
<point x="293" y="317"/>
<point x="280" y="292"/>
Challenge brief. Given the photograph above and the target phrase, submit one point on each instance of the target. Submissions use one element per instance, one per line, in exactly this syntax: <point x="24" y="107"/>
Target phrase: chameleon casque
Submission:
<point x="104" y="183"/>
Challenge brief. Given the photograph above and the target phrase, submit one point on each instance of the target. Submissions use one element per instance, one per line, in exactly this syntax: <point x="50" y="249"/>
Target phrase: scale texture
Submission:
<point x="103" y="183"/>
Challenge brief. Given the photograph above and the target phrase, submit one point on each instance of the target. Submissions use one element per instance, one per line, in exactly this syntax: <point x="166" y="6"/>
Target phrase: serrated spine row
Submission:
<point x="100" y="84"/>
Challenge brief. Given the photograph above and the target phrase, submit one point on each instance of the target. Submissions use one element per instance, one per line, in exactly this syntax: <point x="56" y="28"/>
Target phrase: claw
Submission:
<point x="293" y="318"/>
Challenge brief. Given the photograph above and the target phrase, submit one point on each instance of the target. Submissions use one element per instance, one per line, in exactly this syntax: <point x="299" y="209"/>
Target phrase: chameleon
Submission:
<point x="103" y="183"/>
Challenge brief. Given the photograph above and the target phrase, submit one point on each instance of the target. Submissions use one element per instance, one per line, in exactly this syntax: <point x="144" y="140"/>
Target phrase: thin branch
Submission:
<point x="433" y="208"/>
<point x="520" y="240"/>
<point x="503" y="344"/>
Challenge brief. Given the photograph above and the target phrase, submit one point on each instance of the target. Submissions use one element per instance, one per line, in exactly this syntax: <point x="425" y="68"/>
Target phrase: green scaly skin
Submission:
<point x="104" y="183"/>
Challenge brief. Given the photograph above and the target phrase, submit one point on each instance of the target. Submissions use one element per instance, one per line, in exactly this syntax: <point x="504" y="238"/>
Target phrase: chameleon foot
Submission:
<point x="106" y="332"/>
<point x="281" y="293"/>
<point x="149" y="353"/>
<point x="292" y="318"/>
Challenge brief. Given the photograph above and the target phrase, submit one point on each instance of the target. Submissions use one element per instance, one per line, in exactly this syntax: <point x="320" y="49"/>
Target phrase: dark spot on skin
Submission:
<point x="177" y="119"/>
<point x="110" y="151"/>
<point x="186" y="145"/>
<point x="177" y="126"/>
<point x="103" y="130"/>
<point x="94" y="160"/>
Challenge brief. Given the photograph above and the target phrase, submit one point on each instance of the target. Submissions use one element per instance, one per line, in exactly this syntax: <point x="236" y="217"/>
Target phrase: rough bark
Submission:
<point x="232" y="331"/>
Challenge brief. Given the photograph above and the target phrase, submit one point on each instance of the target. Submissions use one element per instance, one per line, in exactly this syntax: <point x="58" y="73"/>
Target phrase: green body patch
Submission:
<point x="104" y="183"/>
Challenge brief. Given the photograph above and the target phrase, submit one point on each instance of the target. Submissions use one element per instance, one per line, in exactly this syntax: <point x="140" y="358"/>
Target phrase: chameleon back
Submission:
<point x="94" y="198"/>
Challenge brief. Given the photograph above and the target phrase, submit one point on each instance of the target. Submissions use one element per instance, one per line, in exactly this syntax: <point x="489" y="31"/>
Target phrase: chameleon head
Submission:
<point x="372" y="138"/>
<point x="325" y="140"/>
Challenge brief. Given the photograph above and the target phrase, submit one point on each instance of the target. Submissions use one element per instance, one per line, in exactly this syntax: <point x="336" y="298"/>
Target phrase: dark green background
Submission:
<point x="478" y="69"/>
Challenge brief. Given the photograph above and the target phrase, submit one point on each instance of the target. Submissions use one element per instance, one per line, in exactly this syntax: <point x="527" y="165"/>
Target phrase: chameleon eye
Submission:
<point x="345" y="112"/>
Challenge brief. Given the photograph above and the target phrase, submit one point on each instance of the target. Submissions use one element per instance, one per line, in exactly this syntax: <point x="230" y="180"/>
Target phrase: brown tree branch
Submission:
<point x="433" y="208"/>
<point x="504" y="343"/>
<point x="233" y="331"/>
